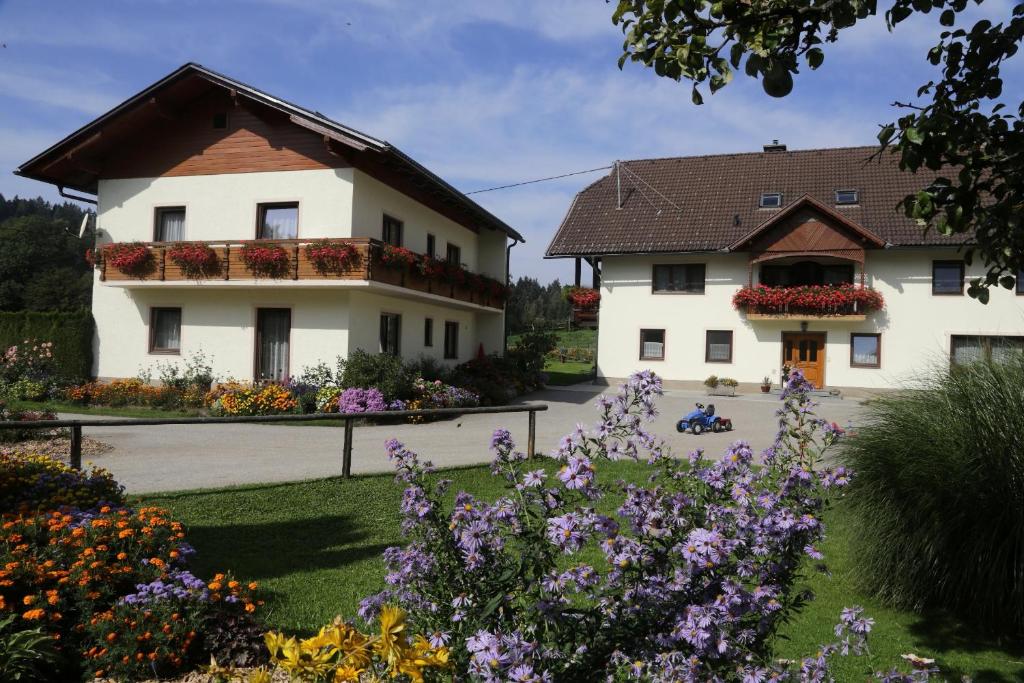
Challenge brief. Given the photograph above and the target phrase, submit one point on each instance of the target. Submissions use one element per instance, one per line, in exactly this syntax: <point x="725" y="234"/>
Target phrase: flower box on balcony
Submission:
<point x="584" y="298"/>
<point x="191" y="261"/>
<point x="131" y="259"/>
<point x="845" y="302"/>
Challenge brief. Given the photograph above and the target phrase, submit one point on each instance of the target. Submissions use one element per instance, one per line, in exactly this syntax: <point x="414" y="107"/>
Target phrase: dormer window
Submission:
<point x="770" y="200"/>
<point x="846" y="197"/>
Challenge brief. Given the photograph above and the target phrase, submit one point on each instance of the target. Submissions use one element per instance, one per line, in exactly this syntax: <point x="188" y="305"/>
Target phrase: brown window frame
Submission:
<point x="261" y="212"/>
<point x="428" y="333"/>
<point x="986" y="343"/>
<point x="158" y="213"/>
<point x="707" y="346"/>
<point x="948" y="262"/>
<point x="395" y="222"/>
<point x="398" y="333"/>
<point x="153" y="349"/>
<point x="654" y="279"/>
<point x="452" y="340"/>
<point x="257" y="342"/>
<point x="1020" y="282"/>
<point x="664" y="343"/>
<point x="449" y="250"/>
<point x="878" y="353"/>
<point x="431" y="245"/>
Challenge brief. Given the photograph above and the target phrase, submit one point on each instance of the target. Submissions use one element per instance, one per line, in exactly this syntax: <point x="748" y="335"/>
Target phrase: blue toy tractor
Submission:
<point x="703" y="419"/>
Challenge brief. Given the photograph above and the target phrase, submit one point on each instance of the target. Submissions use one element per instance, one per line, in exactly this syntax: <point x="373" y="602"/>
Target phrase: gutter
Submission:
<point x="60" y="190"/>
<point x="508" y="284"/>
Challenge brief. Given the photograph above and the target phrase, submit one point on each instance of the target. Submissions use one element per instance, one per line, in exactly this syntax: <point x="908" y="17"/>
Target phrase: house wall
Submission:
<point x="223" y="207"/>
<point x="915" y="325"/>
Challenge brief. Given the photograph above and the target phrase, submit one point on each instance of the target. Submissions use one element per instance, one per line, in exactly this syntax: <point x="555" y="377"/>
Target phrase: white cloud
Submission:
<point x="67" y="89"/>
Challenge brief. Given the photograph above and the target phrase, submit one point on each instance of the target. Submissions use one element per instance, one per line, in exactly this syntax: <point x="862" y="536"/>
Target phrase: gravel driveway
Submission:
<point x="175" y="457"/>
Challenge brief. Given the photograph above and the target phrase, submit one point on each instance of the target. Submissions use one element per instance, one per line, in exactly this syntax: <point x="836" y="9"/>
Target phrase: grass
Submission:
<point x="569" y="372"/>
<point x="316" y="547"/>
<point x="581" y="338"/>
<point x="110" y="411"/>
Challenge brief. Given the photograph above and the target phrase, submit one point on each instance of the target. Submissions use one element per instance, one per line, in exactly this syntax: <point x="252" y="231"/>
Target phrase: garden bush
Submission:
<point x="687" y="580"/>
<point x="14" y="435"/>
<point x="31" y="482"/>
<point x="239" y="398"/>
<point x="123" y="392"/>
<point x="71" y="334"/>
<point x="939" y="494"/>
<point x="26" y="654"/>
<point x="383" y="371"/>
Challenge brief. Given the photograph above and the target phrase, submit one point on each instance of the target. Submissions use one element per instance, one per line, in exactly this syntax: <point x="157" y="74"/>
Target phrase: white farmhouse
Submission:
<point x="201" y="160"/>
<point x="734" y="265"/>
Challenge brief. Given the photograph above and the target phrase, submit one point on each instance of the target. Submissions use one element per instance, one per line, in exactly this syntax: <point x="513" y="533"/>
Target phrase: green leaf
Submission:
<point x="885" y="135"/>
<point x="815" y="57"/>
<point x="696" y="96"/>
<point x="947" y="18"/>
<point x="492" y="605"/>
<point x="913" y="135"/>
<point x="1008" y="281"/>
<point x="778" y="82"/>
<point x="736" y="54"/>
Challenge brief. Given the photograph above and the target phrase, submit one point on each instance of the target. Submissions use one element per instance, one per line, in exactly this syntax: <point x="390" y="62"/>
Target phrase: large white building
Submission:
<point x="673" y="241"/>
<point x="199" y="158"/>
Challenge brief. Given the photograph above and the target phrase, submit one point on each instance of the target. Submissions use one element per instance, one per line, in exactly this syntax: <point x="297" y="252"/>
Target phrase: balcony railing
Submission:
<point x="227" y="263"/>
<point x="842" y="302"/>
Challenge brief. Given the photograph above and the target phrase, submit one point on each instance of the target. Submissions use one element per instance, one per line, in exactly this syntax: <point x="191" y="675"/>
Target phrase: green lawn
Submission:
<point x="124" y="411"/>
<point x="569" y="372"/>
<point x="582" y="338"/>
<point x="316" y="547"/>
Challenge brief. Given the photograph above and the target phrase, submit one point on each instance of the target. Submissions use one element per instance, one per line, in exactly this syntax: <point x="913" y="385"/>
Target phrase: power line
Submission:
<point x="539" y="180"/>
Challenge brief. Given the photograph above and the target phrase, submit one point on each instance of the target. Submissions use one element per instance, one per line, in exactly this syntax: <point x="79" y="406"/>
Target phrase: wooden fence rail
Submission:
<point x="349" y="419"/>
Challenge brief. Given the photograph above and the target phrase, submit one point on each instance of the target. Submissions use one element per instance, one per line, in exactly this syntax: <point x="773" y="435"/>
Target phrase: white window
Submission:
<point x="278" y="221"/>
<point x="846" y="197"/>
<point x="170" y="224"/>
<point x="652" y="344"/>
<point x="770" y="200"/>
<point x="165" y="330"/>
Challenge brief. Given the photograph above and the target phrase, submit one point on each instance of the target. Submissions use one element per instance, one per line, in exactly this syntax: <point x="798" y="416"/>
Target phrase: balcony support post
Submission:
<point x="227" y="261"/>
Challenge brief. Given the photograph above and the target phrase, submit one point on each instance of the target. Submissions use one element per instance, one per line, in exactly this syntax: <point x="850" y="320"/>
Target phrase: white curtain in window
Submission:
<point x="280" y="223"/>
<point x="167" y="329"/>
<point x="967" y="350"/>
<point x="275" y="329"/>
<point x="654" y="349"/>
<point x="1006" y="349"/>
<point x="172" y="226"/>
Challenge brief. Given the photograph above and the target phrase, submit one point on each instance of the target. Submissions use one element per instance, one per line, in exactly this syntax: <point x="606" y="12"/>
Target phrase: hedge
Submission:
<point x="71" y="333"/>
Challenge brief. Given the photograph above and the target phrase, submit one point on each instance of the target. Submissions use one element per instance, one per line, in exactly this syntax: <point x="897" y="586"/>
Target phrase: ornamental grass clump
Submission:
<point x="687" y="580"/>
<point x="939" y="496"/>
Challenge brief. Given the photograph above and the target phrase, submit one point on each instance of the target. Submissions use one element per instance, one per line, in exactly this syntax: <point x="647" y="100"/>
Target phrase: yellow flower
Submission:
<point x="391" y="644"/>
<point x="347" y="674"/>
<point x="260" y="675"/>
<point x="275" y="643"/>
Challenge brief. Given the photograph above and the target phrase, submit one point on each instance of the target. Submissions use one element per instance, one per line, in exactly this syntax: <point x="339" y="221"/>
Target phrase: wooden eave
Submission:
<point x="866" y="236"/>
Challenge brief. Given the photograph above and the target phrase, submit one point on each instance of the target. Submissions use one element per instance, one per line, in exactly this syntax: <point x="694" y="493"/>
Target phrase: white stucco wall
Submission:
<point x="326" y="322"/>
<point x="915" y="325"/>
<point x="223" y="207"/>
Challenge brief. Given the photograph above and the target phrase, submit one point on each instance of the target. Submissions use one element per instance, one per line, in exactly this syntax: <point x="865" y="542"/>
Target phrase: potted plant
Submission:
<point x="131" y="258"/>
<point x="766" y="384"/>
<point x="266" y="260"/>
<point x="721" y="386"/>
<point x="398" y="258"/>
<point x="329" y="257"/>
<point x="196" y="261"/>
<point x="711" y="382"/>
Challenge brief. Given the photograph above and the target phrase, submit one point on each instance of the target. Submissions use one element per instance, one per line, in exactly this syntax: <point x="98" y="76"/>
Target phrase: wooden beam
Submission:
<point x="163" y="111"/>
<point x="328" y="133"/>
<point x="67" y="156"/>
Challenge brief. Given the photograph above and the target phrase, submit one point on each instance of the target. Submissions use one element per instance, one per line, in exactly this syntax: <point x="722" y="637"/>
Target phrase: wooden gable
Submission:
<point x="186" y="142"/>
<point x="807" y="228"/>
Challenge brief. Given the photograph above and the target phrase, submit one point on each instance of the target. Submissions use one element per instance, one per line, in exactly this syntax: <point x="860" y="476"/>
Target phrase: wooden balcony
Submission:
<point x="585" y="317"/>
<point x="365" y="268"/>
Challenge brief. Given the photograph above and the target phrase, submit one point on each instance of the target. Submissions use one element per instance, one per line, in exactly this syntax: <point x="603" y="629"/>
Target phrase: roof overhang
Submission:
<point x="869" y="238"/>
<point x="67" y="163"/>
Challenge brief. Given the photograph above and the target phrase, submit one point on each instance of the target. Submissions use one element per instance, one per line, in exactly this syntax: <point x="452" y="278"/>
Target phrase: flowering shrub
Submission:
<point x="582" y="297"/>
<point x="340" y="652"/>
<point x="266" y="260"/>
<point x="356" y="400"/>
<point x="15" y="434"/>
<point x="131" y="258"/>
<point x="697" y="571"/>
<point x="327" y="399"/>
<point x="36" y="482"/>
<point x="431" y="268"/>
<point x="437" y="394"/>
<point x="813" y="300"/>
<point x="235" y="398"/>
<point x="331" y="257"/>
<point x="197" y="261"/>
<point x="120" y="392"/>
<point x="454" y="273"/>
<point x="398" y="258"/>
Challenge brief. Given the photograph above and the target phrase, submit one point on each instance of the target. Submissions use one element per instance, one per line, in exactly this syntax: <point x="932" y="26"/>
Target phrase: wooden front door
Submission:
<point x="806" y="351"/>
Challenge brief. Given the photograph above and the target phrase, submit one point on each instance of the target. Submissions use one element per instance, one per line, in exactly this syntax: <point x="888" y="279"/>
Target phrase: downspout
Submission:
<point x="62" y="193"/>
<point x="508" y="285"/>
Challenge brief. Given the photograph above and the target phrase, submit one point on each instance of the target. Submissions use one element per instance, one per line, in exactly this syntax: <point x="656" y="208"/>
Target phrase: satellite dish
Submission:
<point x="85" y="224"/>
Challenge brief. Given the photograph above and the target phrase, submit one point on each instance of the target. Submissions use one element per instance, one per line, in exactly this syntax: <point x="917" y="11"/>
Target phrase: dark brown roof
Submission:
<point x="709" y="203"/>
<point x="74" y="161"/>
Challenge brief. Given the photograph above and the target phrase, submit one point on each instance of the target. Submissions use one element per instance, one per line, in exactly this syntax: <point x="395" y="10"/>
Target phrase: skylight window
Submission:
<point x="770" y="200"/>
<point x="846" y="197"/>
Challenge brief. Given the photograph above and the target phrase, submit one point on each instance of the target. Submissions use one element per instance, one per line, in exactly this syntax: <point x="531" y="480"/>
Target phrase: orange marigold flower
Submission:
<point x="253" y="586"/>
<point x="34" y="614"/>
<point x="29" y="599"/>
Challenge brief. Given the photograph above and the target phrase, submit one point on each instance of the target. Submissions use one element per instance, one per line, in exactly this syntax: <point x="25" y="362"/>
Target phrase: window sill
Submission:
<point x="663" y="292"/>
<point x="165" y="352"/>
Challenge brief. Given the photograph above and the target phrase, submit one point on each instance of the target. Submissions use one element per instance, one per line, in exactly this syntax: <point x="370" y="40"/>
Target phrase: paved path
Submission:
<point x="173" y="457"/>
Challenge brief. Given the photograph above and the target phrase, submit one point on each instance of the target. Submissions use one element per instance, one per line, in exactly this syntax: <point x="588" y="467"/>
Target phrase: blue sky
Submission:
<point x="484" y="93"/>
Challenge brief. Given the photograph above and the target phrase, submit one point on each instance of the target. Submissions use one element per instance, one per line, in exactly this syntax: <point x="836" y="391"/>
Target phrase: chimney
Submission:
<point x="775" y="147"/>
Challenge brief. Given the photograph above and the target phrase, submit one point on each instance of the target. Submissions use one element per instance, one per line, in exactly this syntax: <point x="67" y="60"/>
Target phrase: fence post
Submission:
<point x="76" y="447"/>
<point x="346" y="454"/>
<point x="531" y="438"/>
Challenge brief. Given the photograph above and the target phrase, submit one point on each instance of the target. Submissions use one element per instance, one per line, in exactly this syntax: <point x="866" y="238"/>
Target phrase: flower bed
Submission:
<point x="437" y="394"/>
<point x="131" y="258"/>
<point x="237" y="398"/>
<point x="110" y="584"/>
<point x="818" y="300"/>
<point x="329" y="257"/>
<point x="196" y="261"/>
<point x="266" y="260"/>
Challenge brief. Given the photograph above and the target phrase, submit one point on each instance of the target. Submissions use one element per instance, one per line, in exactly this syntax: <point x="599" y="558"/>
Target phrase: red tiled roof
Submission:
<point x="708" y="203"/>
